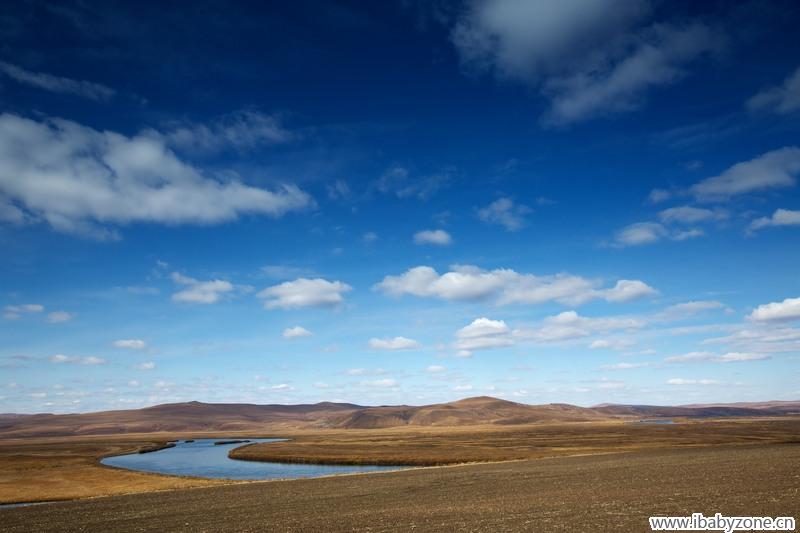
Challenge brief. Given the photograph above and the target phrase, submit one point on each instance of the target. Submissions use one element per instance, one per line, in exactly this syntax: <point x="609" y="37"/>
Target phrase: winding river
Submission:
<point x="203" y="458"/>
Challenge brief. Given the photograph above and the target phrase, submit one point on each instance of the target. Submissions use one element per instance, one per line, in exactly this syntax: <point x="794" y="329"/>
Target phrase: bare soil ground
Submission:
<point x="587" y="493"/>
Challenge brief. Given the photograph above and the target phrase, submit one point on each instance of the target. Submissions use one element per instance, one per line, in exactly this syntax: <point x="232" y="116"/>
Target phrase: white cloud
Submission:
<point x="730" y="357"/>
<point x="588" y="58"/>
<point x="241" y="130"/>
<point x="570" y="325"/>
<point x="772" y="170"/>
<point x="656" y="57"/>
<point x="506" y="286"/>
<point x="304" y="292"/>
<point x="627" y="290"/>
<point x="484" y="333"/>
<point x="691" y="357"/>
<point x="381" y="383"/>
<point x="71" y="359"/>
<point x="737" y="357"/>
<point x="624" y="366"/>
<point x="397" y="343"/>
<point x="438" y="237"/>
<point x="369" y="237"/>
<point x="783" y="99"/>
<point x="610" y="344"/>
<point x="296" y="332"/>
<point x="683" y="381"/>
<point x="787" y="310"/>
<point x="57" y="317"/>
<point x="764" y="338"/>
<point x="57" y="84"/>
<point x="79" y="179"/>
<point x="149" y="365"/>
<point x="397" y="180"/>
<point x="435" y="369"/>
<point x="505" y="213"/>
<point x="365" y="372"/>
<point x="200" y="292"/>
<point x="641" y="233"/>
<point x="781" y="217"/>
<point x="130" y="344"/>
<point x="282" y="387"/>
<point x="688" y="309"/>
<point x="686" y="214"/>
<point x="14" y="312"/>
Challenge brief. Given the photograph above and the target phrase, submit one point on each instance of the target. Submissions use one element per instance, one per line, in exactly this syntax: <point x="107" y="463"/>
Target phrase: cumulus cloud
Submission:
<point x="130" y="344"/>
<point x="304" y="292"/>
<point x="507" y="286"/>
<point x="396" y="343"/>
<point x="79" y="179"/>
<point x="57" y="84"/>
<point x="200" y="292"/>
<point x="781" y="217"/>
<point x="787" y="310"/>
<point x="57" y="317"/>
<point x="484" y="333"/>
<point x="506" y="213"/>
<point x="296" y="332"/>
<point x="772" y="170"/>
<point x="438" y="237"/>
<point x="241" y="130"/>
<point x="783" y="99"/>
<point x="15" y="312"/>
<point x="588" y="58"/>
<point x="435" y="369"/>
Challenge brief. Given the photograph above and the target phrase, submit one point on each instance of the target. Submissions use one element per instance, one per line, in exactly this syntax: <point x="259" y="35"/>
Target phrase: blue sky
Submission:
<point x="574" y="201"/>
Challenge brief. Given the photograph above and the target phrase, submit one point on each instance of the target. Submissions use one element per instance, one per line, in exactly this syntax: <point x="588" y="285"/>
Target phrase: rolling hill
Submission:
<point x="221" y="418"/>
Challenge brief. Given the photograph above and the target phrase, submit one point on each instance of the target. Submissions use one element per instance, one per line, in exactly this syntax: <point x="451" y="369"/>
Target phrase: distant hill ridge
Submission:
<point x="219" y="418"/>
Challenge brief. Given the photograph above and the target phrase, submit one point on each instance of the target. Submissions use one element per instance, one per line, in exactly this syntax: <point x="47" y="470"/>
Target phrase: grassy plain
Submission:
<point x="440" y="446"/>
<point x="60" y="468"/>
<point x="614" y="492"/>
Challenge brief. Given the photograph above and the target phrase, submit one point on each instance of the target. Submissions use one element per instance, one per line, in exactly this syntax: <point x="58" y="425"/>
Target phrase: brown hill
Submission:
<point x="200" y="417"/>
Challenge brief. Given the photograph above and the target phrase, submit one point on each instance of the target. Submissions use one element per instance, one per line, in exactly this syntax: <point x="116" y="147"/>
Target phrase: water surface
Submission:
<point x="202" y="458"/>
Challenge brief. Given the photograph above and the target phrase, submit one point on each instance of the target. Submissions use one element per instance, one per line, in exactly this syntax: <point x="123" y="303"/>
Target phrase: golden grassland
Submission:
<point x="440" y="446"/>
<point x="60" y="468"/>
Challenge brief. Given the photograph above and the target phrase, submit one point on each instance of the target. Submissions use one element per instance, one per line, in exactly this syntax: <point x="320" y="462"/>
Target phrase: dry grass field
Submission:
<point x="587" y="493"/>
<point x="439" y="446"/>
<point x="68" y="467"/>
<point x="59" y="468"/>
